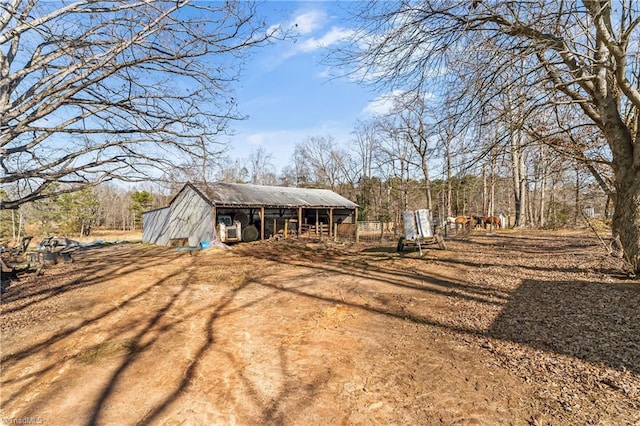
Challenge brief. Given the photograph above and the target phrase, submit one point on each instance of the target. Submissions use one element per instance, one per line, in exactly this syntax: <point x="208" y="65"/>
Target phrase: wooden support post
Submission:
<point x="335" y="232"/>
<point x="275" y="227"/>
<point x="317" y="221"/>
<point x="286" y="228"/>
<point x="299" y="222"/>
<point x="330" y="222"/>
<point x="262" y="223"/>
<point x="355" y="220"/>
<point x="215" y="225"/>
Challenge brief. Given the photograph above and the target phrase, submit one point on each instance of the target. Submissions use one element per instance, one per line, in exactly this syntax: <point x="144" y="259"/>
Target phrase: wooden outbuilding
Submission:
<point x="194" y="214"/>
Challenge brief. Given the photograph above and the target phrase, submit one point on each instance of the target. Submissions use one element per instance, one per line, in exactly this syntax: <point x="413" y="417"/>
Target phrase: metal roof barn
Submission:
<point x="195" y="213"/>
<point x="242" y="195"/>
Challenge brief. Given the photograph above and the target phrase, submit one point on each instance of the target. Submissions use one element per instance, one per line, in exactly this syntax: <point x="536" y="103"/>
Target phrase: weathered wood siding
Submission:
<point x="155" y="226"/>
<point x="189" y="216"/>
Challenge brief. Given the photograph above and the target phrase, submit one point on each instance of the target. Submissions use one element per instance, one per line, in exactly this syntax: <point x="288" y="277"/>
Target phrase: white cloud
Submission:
<point x="308" y="22"/>
<point x="256" y="138"/>
<point x="308" y="28"/>
<point x="334" y="36"/>
<point x="301" y="24"/>
<point x="384" y="104"/>
<point x="275" y="29"/>
<point x="324" y="74"/>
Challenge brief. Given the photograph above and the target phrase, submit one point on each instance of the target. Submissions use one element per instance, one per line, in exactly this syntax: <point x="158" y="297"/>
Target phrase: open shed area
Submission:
<point x="232" y="212"/>
<point x="515" y="328"/>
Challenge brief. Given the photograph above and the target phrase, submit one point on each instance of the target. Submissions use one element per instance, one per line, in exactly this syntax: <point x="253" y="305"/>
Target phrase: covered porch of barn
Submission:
<point x="285" y="222"/>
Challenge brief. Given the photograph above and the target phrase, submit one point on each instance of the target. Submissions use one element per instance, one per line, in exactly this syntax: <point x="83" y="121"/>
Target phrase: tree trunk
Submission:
<point x="577" y="200"/>
<point x="533" y="202"/>
<point x="553" y="214"/>
<point x="626" y="216"/>
<point x="13" y="225"/>
<point x="485" y="207"/>
<point x="519" y="179"/>
<point x="494" y="174"/>
<point x="448" y="199"/>
<point x="543" y="196"/>
<point x="427" y="183"/>
<point x="521" y="212"/>
<point x="626" y="168"/>
<point x="19" y="225"/>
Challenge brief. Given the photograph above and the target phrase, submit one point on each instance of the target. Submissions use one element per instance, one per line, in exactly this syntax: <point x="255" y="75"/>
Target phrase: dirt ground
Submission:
<point x="528" y="328"/>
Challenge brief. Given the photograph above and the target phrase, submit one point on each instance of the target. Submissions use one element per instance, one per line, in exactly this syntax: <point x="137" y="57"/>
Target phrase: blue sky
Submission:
<point x="286" y="92"/>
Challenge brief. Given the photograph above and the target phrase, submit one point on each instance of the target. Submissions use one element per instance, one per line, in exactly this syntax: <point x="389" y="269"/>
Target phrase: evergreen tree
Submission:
<point x="78" y="211"/>
<point x="140" y="201"/>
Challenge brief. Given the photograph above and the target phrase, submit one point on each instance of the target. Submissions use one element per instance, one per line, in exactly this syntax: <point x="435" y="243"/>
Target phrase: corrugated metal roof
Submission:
<point x="244" y="195"/>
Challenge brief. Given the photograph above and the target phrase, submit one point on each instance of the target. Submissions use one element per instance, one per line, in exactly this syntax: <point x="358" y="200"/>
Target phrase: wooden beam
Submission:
<point x="355" y="220"/>
<point x="330" y="222"/>
<point x="215" y="224"/>
<point x="261" y="223"/>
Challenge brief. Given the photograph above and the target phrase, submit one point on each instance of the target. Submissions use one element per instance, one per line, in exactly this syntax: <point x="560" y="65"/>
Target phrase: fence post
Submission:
<point x="357" y="233"/>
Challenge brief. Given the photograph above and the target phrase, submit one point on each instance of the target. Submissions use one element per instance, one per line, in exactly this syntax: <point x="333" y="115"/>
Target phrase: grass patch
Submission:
<point x="106" y="350"/>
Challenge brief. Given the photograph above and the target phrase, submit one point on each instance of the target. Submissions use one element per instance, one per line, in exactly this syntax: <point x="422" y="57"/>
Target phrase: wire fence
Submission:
<point x="365" y="231"/>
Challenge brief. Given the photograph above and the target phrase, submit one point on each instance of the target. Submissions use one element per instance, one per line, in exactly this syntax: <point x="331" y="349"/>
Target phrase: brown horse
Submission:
<point x="491" y="220"/>
<point x="460" y="221"/>
<point x="463" y="221"/>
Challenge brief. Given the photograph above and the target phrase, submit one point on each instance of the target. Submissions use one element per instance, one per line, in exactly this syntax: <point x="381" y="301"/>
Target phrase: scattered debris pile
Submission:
<point x="20" y="260"/>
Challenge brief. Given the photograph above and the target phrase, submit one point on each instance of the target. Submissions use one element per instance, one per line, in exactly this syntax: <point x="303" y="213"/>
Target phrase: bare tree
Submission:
<point x="260" y="167"/>
<point x="580" y="57"/>
<point x="365" y="146"/>
<point x="412" y="112"/>
<point x="394" y="162"/>
<point x="449" y="129"/>
<point x="369" y="187"/>
<point x="321" y="161"/>
<point x="232" y="171"/>
<point x="94" y="91"/>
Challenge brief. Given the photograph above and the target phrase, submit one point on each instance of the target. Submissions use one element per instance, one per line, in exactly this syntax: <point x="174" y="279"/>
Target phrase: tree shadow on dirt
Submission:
<point x="147" y="332"/>
<point x="380" y="249"/>
<point x="270" y="408"/>
<point x="586" y="255"/>
<point x="409" y="278"/>
<point x="595" y="322"/>
<point x="12" y="358"/>
<point x="293" y="395"/>
<point x="188" y="372"/>
<point x="87" y="271"/>
<point x="142" y="341"/>
<point x="62" y="287"/>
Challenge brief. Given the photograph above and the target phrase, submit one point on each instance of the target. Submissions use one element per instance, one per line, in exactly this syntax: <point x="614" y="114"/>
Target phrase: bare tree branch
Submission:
<point x="547" y="55"/>
<point x="93" y="91"/>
